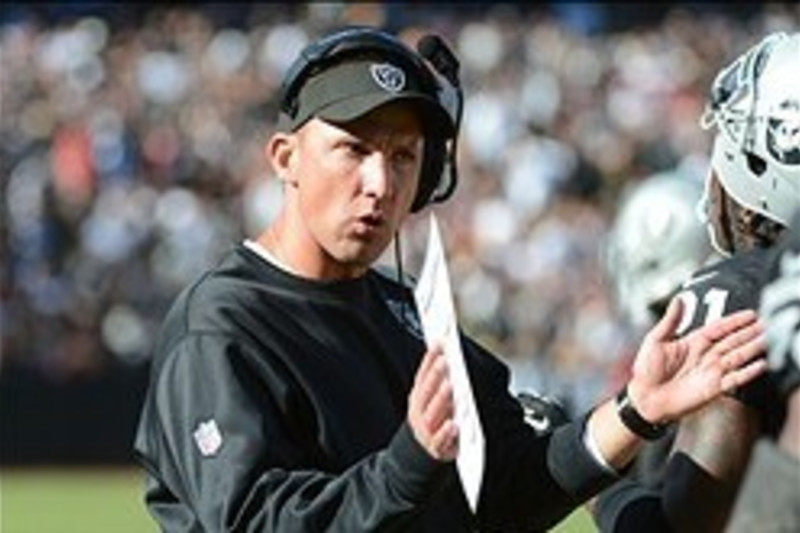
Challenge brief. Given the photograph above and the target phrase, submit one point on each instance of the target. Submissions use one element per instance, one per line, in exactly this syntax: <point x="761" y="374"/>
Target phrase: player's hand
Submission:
<point x="431" y="407"/>
<point x="673" y="377"/>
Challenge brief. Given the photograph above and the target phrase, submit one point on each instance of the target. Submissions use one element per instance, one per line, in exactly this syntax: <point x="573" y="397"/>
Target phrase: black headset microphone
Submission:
<point x="438" y="54"/>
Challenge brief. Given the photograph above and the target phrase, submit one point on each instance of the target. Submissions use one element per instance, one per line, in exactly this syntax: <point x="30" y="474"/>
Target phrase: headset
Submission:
<point x="433" y="186"/>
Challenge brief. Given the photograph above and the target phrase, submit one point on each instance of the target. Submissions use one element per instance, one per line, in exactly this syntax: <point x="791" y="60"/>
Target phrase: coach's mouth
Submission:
<point x="369" y="223"/>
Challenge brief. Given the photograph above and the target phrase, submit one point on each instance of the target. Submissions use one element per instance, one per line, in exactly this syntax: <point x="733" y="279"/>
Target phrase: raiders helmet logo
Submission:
<point x="783" y="134"/>
<point x="388" y="77"/>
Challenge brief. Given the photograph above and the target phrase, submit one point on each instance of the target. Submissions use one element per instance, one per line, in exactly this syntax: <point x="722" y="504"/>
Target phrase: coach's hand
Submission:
<point x="673" y="377"/>
<point x="431" y="408"/>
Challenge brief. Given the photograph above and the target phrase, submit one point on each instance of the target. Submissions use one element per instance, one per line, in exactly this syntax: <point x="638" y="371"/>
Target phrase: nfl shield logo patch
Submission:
<point x="208" y="438"/>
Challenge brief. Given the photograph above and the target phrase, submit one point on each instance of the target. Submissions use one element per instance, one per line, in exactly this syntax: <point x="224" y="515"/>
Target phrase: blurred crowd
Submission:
<point x="132" y="138"/>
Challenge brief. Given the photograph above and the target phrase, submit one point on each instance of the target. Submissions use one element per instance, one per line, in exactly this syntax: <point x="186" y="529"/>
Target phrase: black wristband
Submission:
<point x="634" y="421"/>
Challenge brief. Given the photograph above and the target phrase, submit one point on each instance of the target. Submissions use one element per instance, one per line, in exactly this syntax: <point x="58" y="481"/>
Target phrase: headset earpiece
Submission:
<point x="432" y="171"/>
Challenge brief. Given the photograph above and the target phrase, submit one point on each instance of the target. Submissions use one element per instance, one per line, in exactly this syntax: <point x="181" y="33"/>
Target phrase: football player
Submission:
<point x="770" y="494"/>
<point x="655" y="244"/>
<point x="752" y="189"/>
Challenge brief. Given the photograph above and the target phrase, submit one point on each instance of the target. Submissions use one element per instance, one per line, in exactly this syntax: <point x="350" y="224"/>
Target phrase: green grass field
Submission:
<point x="104" y="501"/>
<point x="73" y="501"/>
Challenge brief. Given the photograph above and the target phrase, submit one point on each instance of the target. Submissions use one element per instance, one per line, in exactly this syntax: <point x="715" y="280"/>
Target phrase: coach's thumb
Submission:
<point x="666" y="327"/>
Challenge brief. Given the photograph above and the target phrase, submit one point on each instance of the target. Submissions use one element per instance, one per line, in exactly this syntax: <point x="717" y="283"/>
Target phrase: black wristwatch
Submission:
<point x="634" y="421"/>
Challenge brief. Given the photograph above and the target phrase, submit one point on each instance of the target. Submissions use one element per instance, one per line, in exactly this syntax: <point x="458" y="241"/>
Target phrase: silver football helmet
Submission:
<point x="655" y="243"/>
<point x="755" y="106"/>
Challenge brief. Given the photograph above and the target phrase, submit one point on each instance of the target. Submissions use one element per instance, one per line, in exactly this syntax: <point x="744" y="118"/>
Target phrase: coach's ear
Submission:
<point x="281" y="150"/>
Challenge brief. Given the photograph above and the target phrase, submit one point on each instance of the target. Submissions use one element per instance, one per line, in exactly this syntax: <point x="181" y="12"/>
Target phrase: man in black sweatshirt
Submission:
<point x="292" y="389"/>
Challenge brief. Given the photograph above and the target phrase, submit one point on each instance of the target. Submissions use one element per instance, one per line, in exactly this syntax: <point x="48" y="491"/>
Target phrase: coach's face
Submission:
<point x="349" y="186"/>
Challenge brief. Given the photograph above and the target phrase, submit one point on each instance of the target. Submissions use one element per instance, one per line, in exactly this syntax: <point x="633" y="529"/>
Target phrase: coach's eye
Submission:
<point x="404" y="157"/>
<point x="356" y="149"/>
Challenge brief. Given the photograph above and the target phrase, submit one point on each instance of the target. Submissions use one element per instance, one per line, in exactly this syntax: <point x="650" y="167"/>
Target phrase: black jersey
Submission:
<point x="725" y="287"/>
<point x="279" y="404"/>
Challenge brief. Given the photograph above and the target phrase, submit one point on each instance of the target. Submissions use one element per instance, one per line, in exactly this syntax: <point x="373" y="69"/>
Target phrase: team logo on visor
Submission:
<point x="783" y="135"/>
<point x="388" y="77"/>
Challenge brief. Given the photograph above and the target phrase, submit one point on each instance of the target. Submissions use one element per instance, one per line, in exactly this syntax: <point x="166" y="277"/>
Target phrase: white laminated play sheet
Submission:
<point x="434" y="300"/>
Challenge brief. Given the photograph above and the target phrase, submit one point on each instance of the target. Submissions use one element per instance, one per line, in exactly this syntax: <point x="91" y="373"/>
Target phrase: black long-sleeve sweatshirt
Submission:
<point x="278" y="404"/>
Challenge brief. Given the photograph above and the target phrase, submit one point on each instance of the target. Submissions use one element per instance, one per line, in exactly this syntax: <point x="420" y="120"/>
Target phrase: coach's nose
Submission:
<point x="376" y="176"/>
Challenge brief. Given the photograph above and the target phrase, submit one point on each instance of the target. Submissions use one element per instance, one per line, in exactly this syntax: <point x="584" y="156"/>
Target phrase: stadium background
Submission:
<point x="130" y="141"/>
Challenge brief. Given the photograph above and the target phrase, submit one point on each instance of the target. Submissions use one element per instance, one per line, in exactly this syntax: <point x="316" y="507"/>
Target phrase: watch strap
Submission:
<point x="634" y="421"/>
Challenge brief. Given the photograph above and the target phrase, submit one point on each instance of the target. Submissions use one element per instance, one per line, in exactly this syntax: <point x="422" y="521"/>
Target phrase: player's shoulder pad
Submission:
<point x="741" y="272"/>
<point x="724" y="287"/>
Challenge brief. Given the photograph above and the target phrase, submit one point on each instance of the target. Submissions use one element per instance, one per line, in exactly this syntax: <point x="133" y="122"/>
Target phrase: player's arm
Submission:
<point x="769" y="492"/>
<point x="713" y="445"/>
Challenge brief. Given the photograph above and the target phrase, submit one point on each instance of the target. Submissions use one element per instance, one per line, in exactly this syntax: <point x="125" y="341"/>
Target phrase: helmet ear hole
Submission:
<point x="756" y="164"/>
